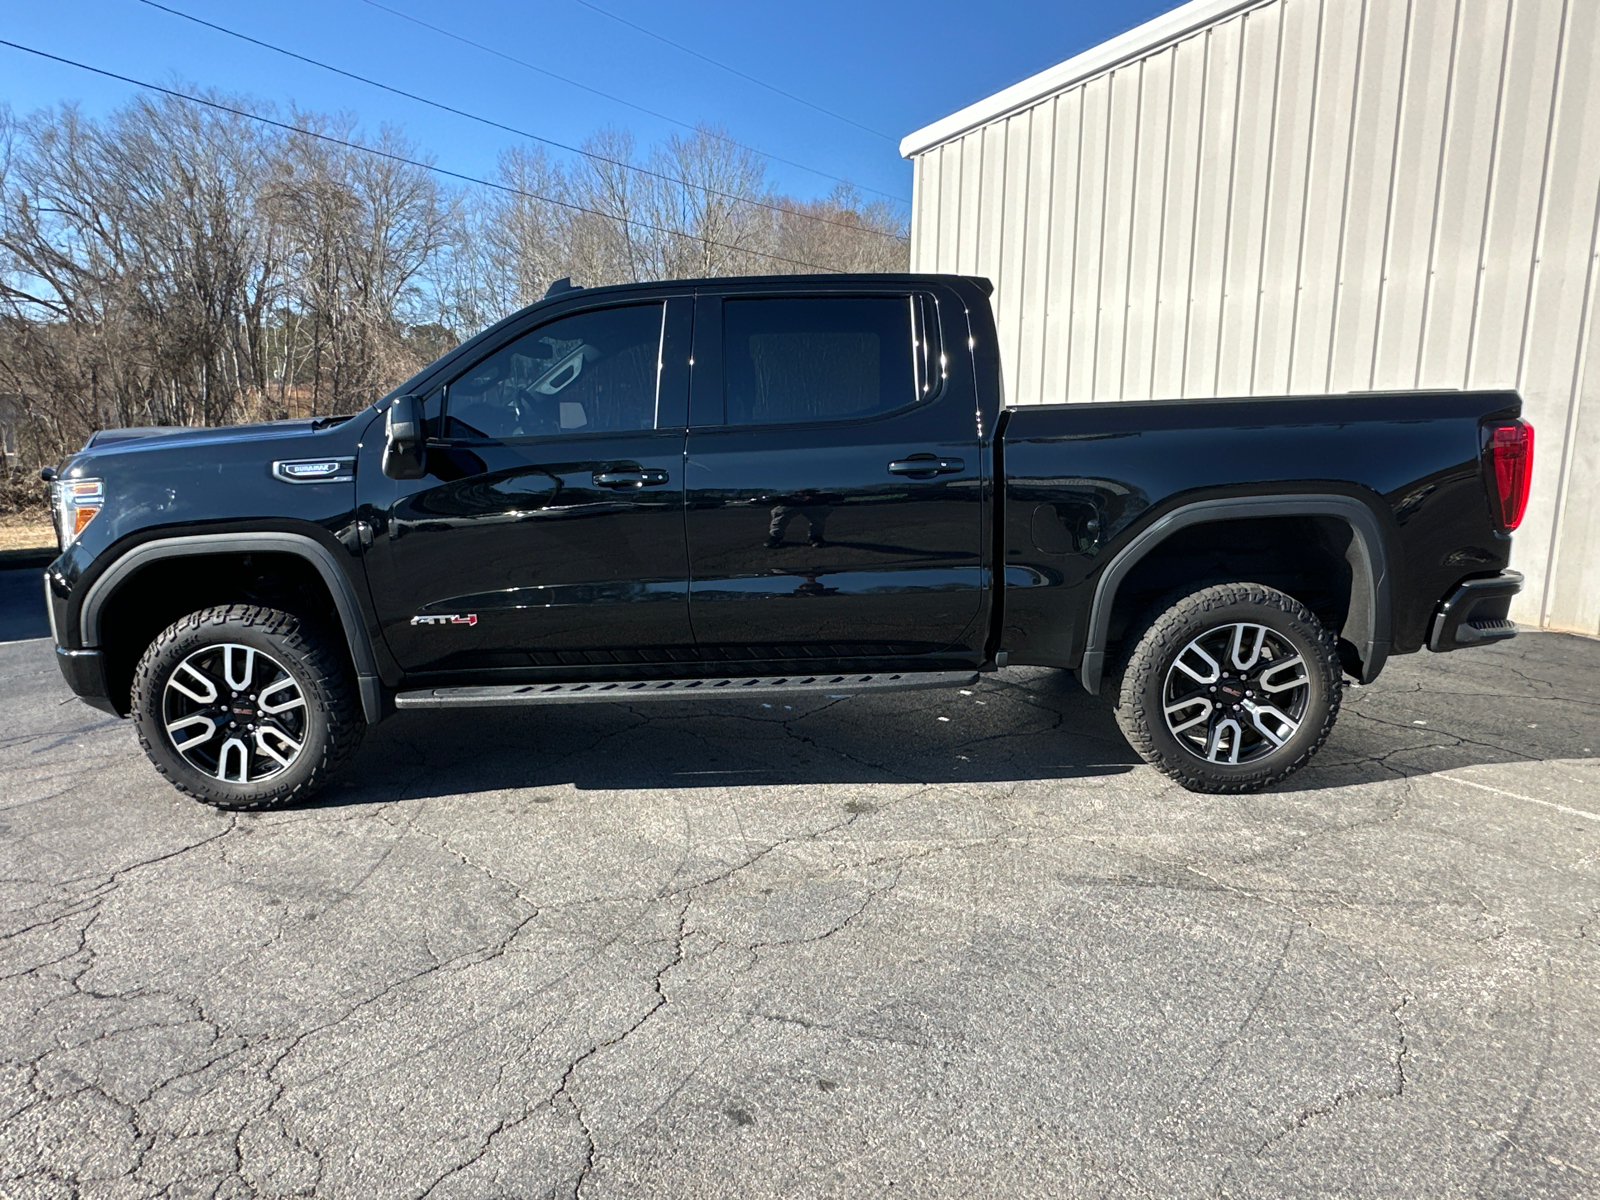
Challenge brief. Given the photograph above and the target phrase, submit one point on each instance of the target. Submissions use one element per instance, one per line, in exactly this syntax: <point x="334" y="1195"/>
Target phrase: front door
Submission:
<point x="548" y="532"/>
<point x="834" y="490"/>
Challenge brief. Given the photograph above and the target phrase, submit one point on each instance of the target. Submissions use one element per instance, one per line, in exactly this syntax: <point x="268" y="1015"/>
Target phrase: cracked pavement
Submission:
<point x="842" y="948"/>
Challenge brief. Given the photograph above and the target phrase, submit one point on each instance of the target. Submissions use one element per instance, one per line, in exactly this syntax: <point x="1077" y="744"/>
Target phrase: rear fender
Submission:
<point x="1369" y="624"/>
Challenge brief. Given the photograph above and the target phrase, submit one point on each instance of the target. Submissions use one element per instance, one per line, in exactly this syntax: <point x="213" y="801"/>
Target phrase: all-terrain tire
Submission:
<point x="1139" y="690"/>
<point x="332" y="725"/>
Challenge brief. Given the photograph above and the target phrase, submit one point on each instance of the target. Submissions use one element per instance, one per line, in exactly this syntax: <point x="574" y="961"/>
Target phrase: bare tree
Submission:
<point x="844" y="233"/>
<point x="365" y="229"/>
<point x="177" y="264"/>
<point x="719" y="198"/>
<point x="697" y="206"/>
<point x="512" y="244"/>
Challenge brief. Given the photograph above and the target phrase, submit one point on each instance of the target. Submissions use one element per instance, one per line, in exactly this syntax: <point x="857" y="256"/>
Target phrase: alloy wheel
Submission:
<point x="235" y="713"/>
<point x="1236" y="693"/>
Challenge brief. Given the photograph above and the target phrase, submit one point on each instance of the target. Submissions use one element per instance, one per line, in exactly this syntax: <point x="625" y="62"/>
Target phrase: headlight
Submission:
<point x="75" y="503"/>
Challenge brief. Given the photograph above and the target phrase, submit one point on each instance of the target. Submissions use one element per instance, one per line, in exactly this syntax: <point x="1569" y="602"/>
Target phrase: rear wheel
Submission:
<point x="1230" y="688"/>
<point x="245" y="707"/>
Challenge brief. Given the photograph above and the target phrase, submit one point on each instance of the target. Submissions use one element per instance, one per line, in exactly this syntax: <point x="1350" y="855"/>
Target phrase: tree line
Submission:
<point x="181" y="264"/>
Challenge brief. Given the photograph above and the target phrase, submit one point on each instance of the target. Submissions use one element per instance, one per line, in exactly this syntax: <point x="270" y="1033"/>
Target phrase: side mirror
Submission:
<point x="405" y="451"/>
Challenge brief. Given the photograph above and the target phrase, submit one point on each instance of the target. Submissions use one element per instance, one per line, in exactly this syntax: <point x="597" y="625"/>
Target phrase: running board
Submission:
<point x="628" y="690"/>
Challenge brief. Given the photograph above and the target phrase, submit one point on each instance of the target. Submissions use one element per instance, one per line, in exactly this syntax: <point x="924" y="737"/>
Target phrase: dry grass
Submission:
<point x="26" y="531"/>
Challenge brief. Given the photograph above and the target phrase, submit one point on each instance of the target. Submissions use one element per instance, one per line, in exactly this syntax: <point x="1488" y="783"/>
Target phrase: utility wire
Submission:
<point x="649" y="112"/>
<point x="735" y="71"/>
<point x="411" y="162"/>
<point x="534" y="137"/>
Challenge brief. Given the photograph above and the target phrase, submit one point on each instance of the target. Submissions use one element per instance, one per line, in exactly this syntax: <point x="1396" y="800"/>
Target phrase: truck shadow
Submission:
<point x="1002" y="730"/>
<point x="1430" y="713"/>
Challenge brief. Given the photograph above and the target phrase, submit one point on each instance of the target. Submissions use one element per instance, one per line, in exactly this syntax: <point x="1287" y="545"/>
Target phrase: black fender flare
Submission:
<point x="1369" y="626"/>
<point x="319" y="556"/>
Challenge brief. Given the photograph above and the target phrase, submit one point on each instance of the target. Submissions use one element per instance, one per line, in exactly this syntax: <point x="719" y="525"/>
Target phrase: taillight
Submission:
<point x="1511" y="459"/>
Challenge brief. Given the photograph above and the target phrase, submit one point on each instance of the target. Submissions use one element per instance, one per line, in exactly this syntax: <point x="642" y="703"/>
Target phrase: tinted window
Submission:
<point x="594" y="372"/>
<point x="820" y="359"/>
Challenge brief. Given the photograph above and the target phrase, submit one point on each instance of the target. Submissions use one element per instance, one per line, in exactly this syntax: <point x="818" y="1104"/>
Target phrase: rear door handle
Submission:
<point x="631" y="477"/>
<point x="927" y="464"/>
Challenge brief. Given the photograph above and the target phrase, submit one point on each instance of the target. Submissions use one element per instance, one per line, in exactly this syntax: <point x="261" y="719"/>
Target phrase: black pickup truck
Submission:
<point x="754" y="487"/>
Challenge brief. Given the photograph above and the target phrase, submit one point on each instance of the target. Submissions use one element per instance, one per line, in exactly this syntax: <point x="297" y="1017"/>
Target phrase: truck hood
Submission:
<point x="130" y="459"/>
<point x="151" y="436"/>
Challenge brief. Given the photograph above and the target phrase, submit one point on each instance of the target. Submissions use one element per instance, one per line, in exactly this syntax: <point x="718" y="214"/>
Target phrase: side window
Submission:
<point x="593" y="372"/>
<point x="929" y="361"/>
<point x="821" y="359"/>
<point x="433" y="414"/>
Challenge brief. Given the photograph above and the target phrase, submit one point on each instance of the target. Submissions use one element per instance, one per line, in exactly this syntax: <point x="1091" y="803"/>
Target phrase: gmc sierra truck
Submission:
<point x="757" y="487"/>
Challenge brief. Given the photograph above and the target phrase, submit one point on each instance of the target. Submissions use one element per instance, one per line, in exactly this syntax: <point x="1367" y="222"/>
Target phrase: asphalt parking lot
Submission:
<point x="924" y="944"/>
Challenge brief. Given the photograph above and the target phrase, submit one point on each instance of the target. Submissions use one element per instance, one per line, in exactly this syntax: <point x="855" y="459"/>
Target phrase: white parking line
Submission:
<point x="1573" y="812"/>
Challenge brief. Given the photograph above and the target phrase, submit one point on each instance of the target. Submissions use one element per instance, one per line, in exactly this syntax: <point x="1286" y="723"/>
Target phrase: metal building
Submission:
<point x="1290" y="196"/>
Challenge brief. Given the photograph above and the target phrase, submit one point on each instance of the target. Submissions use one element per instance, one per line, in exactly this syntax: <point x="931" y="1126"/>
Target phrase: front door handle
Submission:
<point x="927" y="464"/>
<point x="631" y="477"/>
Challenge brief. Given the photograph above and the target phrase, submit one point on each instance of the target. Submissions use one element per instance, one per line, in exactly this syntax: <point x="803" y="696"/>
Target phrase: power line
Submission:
<point x="649" y="112"/>
<point x="412" y="162"/>
<point x="493" y="124"/>
<point x="735" y="71"/>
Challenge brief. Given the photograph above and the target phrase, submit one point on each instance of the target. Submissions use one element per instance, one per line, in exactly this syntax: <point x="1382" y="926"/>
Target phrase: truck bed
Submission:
<point x="1082" y="480"/>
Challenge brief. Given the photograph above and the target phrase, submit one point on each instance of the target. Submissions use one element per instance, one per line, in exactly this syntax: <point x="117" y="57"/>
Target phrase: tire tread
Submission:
<point x="1167" y="621"/>
<point x="331" y="682"/>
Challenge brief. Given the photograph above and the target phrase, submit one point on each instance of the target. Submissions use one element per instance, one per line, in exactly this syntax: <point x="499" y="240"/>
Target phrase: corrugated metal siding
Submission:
<point x="1313" y="195"/>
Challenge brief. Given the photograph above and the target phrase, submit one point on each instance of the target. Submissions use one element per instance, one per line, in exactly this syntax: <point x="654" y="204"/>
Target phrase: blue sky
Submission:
<point x="890" y="67"/>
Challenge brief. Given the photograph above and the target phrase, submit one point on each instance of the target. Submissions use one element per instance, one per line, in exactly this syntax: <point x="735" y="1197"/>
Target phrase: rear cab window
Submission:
<point x="791" y="360"/>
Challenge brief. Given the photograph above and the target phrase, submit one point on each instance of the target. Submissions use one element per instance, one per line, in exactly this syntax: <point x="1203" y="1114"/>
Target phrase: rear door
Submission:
<point x="549" y="529"/>
<point x="834" y="492"/>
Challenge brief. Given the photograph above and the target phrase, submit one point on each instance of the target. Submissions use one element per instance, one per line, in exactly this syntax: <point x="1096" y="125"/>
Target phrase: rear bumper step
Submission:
<point x="628" y="690"/>
<point x="1474" y="614"/>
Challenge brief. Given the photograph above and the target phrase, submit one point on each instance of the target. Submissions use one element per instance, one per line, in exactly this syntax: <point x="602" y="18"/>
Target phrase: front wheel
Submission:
<point x="1230" y="688"/>
<point x="245" y="707"/>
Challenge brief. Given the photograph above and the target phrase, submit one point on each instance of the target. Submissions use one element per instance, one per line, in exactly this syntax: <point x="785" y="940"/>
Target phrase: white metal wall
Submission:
<point x="1308" y="196"/>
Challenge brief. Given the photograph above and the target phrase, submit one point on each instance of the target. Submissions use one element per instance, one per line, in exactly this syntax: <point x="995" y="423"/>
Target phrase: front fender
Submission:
<point x="347" y="604"/>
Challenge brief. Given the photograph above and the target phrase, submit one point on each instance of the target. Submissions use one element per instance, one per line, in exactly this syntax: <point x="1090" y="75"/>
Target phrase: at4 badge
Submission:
<point x="447" y="619"/>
